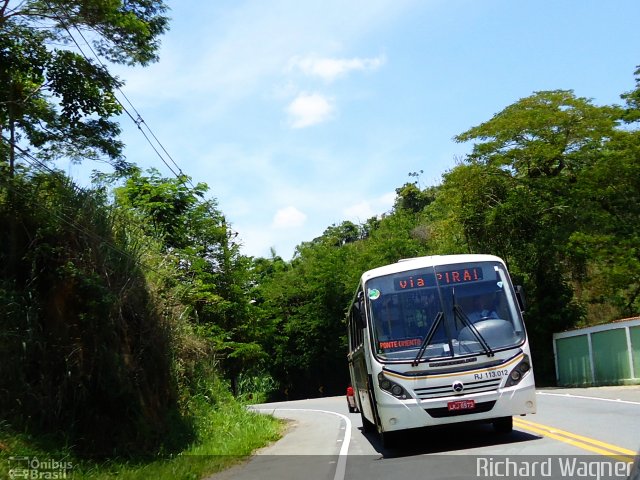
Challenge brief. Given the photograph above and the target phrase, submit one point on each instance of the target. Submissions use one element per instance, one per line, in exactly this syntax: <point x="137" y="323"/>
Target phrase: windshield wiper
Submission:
<point x="457" y="311"/>
<point x="427" y="339"/>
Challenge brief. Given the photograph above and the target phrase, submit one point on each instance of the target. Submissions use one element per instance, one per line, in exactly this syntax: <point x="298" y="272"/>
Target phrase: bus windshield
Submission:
<point x="443" y="311"/>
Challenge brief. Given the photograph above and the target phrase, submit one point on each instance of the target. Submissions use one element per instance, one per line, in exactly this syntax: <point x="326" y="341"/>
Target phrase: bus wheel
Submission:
<point x="503" y="425"/>
<point x="367" y="426"/>
<point x="389" y="439"/>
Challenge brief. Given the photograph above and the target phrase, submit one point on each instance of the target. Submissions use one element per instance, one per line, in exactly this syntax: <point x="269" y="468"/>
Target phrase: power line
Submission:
<point x="137" y="119"/>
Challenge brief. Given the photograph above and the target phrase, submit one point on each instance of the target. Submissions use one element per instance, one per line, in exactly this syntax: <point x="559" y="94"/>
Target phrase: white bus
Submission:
<point x="437" y="340"/>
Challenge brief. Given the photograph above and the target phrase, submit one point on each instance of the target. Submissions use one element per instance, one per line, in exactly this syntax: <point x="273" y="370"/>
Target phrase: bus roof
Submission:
<point x="429" y="261"/>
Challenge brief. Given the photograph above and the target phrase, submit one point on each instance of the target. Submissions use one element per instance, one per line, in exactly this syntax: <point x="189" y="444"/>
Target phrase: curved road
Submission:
<point x="577" y="433"/>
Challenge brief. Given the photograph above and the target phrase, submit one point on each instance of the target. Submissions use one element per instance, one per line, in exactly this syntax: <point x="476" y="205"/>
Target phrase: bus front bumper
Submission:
<point x="487" y="406"/>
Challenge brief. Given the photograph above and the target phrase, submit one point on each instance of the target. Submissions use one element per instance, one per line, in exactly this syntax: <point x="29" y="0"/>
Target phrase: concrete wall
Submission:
<point x="600" y="355"/>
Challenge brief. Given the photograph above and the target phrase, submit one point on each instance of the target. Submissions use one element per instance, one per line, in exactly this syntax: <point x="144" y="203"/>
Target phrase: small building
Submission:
<point x="599" y="355"/>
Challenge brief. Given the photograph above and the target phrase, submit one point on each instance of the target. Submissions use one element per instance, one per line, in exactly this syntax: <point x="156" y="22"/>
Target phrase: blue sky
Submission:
<point x="302" y="114"/>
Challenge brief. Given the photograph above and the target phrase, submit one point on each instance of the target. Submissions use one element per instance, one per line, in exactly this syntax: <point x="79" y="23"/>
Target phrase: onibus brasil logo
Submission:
<point x="38" y="469"/>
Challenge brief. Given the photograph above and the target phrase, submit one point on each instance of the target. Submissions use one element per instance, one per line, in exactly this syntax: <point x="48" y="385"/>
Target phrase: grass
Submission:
<point x="225" y="435"/>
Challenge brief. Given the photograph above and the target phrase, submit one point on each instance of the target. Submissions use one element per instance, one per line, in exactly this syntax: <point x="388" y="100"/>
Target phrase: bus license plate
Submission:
<point x="461" y="405"/>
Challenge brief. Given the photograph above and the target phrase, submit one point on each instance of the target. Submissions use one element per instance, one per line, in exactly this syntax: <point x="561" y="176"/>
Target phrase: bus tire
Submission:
<point x="367" y="426"/>
<point x="503" y="425"/>
<point x="389" y="439"/>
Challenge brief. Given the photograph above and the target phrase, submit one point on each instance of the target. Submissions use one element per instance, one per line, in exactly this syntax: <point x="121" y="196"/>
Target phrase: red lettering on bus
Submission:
<point x="409" y="342"/>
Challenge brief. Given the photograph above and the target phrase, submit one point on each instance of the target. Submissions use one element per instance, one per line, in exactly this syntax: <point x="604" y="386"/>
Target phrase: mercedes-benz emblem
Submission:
<point x="458" y="386"/>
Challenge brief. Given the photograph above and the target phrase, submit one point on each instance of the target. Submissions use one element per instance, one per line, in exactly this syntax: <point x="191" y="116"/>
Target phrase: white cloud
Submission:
<point x="288" y="217"/>
<point x="331" y="68"/>
<point x="228" y="53"/>
<point x="360" y="211"/>
<point x="309" y="109"/>
<point x="366" y="209"/>
<point x="386" y="201"/>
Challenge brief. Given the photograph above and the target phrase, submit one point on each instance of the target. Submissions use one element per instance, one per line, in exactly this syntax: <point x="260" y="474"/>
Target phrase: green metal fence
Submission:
<point x="601" y="355"/>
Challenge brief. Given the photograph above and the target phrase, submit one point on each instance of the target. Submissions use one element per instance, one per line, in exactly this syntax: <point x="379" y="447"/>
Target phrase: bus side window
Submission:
<point x="357" y="322"/>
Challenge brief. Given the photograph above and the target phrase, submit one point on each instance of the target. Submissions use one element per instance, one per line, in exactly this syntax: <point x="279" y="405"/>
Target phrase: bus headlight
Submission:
<point x="518" y="372"/>
<point x="396" y="390"/>
<point x="385" y="384"/>
<point x="392" y="387"/>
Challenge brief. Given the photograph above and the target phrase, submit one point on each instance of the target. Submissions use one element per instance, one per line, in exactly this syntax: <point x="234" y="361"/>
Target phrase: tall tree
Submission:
<point x="196" y="237"/>
<point x="548" y="134"/>
<point x="520" y="187"/>
<point x="604" y="250"/>
<point x="54" y="99"/>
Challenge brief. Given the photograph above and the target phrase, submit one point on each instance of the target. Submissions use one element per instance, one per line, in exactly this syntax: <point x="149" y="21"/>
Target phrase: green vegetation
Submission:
<point x="105" y="352"/>
<point x="226" y="435"/>
<point x="125" y="316"/>
<point x="133" y="331"/>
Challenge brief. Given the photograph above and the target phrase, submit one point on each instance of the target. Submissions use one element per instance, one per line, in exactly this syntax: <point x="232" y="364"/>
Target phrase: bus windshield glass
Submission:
<point x="443" y="311"/>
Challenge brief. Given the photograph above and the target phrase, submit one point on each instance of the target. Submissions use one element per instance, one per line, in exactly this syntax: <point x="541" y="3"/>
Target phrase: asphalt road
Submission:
<point x="577" y="433"/>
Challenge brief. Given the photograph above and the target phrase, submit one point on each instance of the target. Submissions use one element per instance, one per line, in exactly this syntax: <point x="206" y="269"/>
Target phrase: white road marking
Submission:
<point x="344" y="449"/>
<point x="617" y="400"/>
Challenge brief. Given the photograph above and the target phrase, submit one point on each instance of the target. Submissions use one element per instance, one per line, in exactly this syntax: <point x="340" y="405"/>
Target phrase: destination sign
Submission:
<point x="449" y="277"/>
<point x="399" y="344"/>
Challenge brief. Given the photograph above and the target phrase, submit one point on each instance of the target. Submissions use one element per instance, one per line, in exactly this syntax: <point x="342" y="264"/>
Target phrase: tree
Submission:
<point x="522" y="192"/>
<point x="169" y="207"/>
<point x="216" y="278"/>
<point x="56" y="101"/>
<point x="305" y="308"/>
<point x="411" y="197"/>
<point x="604" y="250"/>
<point x="547" y="134"/>
<point x="338" y="235"/>
<point x="632" y="99"/>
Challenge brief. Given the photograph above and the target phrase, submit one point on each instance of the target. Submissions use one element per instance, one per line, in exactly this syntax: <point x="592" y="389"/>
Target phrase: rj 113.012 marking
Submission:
<point x="490" y="374"/>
